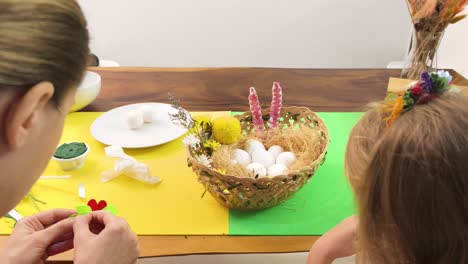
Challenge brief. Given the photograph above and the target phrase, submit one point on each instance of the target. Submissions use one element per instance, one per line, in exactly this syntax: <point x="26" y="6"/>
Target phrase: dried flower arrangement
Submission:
<point x="430" y="19"/>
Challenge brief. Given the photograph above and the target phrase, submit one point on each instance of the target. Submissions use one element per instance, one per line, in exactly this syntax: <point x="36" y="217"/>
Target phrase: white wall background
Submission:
<point x="453" y="52"/>
<point x="281" y="33"/>
<point x="278" y="33"/>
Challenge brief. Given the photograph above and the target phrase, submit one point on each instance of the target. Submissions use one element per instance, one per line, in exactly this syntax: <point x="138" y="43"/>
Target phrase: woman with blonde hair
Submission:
<point x="407" y="163"/>
<point x="43" y="55"/>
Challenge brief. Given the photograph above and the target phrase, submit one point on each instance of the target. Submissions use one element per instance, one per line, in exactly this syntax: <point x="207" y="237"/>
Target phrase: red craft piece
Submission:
<point x="95" y="206"/>
<point x="417" y="90"/>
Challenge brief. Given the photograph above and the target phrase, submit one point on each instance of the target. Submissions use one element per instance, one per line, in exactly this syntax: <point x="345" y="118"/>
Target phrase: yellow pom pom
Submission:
<point x="226" y="130"/>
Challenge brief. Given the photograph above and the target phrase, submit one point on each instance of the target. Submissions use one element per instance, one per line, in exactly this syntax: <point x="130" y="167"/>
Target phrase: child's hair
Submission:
<point x="411" y="183"/>
<point x="42" y="40"/>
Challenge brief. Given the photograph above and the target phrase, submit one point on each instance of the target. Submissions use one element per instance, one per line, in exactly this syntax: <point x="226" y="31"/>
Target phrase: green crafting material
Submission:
<point x="111" y="209"/>
<point x="70" y="150"/>
<point x="319" y="205"/>
<point x="83" y="210"/>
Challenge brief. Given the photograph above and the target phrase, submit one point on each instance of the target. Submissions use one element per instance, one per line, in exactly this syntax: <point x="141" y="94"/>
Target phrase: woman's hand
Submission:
<point x="337" y="243"/>
<point x="101" y="237"/>
<point x="38" y="237"/>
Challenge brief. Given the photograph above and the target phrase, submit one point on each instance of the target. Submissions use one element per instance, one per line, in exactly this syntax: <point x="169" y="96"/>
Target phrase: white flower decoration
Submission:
<point x="204" y="160"/>
<point x="191" y="140"/>
<point x="446" y="75"/>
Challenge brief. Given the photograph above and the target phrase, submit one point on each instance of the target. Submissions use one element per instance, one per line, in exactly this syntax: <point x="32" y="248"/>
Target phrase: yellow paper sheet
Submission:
<point x="174" y="207"/>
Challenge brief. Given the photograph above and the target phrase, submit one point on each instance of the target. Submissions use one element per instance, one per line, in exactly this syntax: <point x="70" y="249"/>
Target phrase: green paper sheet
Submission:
<point x="320" y="204"/>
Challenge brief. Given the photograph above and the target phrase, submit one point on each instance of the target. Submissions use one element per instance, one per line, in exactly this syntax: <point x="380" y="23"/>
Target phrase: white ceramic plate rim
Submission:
<point x="108" y="140"/>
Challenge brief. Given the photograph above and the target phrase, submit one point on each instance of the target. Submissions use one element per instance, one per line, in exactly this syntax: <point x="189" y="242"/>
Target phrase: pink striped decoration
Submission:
<point x="256" y="110"/>
<point x="276" y="104"/>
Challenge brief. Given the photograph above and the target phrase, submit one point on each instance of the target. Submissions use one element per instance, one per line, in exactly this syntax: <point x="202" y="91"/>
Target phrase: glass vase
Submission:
<point x="423" y="52"/>
<point x="428" y="30"/>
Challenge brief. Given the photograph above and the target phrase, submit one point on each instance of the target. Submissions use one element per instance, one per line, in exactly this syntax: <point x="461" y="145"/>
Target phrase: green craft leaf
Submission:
<point x="111" y="209"/>
<point x="83" y="210"/>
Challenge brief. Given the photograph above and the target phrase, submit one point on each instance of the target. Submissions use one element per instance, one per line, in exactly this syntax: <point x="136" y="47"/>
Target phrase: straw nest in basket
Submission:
<point x="300" y="139"/>
<point x="297" y="130"/>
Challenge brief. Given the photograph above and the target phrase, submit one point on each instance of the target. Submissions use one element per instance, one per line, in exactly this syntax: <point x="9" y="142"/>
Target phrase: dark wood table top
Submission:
<point x="212" y="89"/>
<point x="202" y="89"/>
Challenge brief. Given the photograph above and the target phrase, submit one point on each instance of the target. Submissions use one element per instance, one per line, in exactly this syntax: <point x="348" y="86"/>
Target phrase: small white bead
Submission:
<point x="135" y="119"/>
<point x="286" y="158"/>
<point x="82" y="191"/>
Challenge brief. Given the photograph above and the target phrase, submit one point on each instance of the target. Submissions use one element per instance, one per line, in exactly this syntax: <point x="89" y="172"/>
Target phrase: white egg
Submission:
<point x="135" y="119"/>
<point x="275" y="150"/>
<point x="253" y="145"/>
<point x="286" y="158"/>
<point x="148" y="113"/>
<point x="263" y="157"/>
<point x="277" y="170"/>
<point x="257" y="170"/>
<point x="241" y="157"/>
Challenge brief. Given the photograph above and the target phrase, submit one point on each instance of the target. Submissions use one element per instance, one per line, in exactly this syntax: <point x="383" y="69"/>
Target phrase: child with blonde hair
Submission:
<point x="407" y="163"/>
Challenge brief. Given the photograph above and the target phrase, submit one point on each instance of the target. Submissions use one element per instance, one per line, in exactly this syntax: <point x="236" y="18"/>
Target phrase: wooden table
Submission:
<point x="212" y="89"/>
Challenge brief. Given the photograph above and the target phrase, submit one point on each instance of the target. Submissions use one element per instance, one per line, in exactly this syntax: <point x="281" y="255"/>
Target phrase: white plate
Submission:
<point x="111" y="128"/>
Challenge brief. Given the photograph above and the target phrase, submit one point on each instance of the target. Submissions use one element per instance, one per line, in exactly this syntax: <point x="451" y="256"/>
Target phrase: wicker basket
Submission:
<point x="249" y="194"/>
